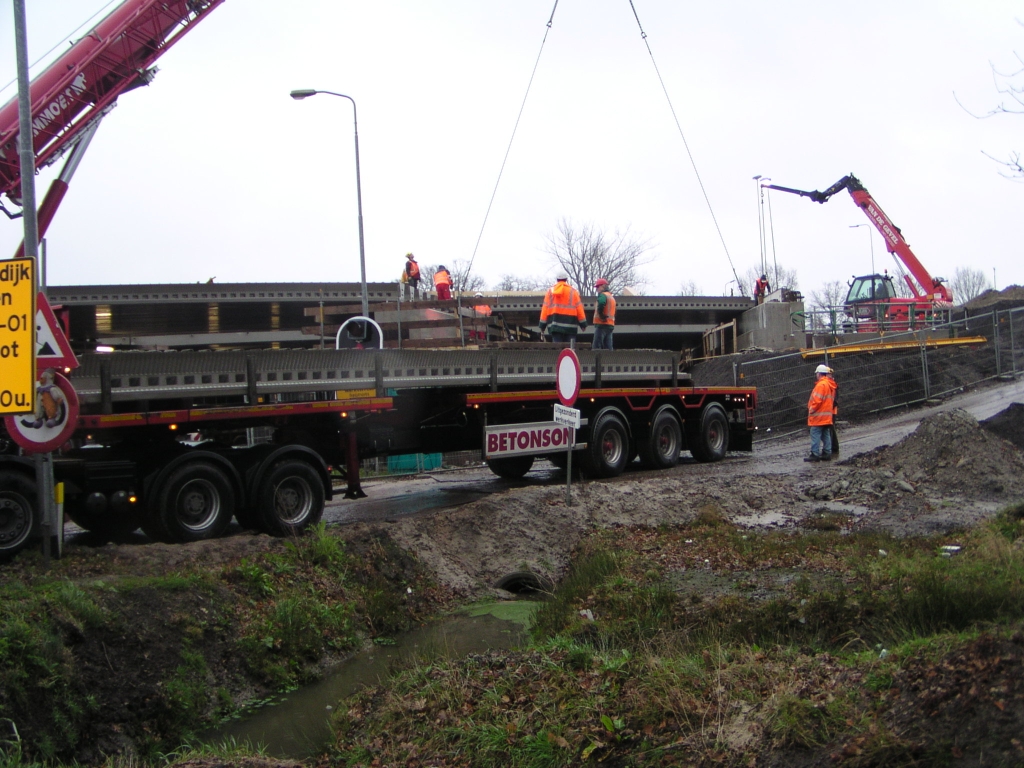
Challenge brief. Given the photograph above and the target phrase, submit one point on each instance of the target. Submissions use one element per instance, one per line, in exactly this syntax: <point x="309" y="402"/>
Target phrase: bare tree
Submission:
<point x="968" y="283"/>
<point x="690" y="288"/>
<point x="827" y="305"/>
<point x="586" y="253"/>
<point x="778" y="277"/>
<point x="463" y="280"/>
<point x="1010" y="86"/>
<point x="520" y="283"/>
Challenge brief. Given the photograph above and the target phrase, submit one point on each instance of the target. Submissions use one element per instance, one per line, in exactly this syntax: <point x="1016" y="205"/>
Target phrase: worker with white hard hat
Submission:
<point x="820" y="411"/>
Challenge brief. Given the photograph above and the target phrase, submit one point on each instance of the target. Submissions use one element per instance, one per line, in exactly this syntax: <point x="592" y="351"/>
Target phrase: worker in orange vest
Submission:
<point x="820" y="409"/>
<point x="481" y="310"/>
<point x="761" y="289"/>
<point x="604" y="316"/>
<point x="443" y="283"/>
<point x="562" y="311"/>
<point x="412" y="275"/>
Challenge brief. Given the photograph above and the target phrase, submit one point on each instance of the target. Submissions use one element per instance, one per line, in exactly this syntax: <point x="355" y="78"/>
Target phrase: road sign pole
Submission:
<point x="568" y="466"/>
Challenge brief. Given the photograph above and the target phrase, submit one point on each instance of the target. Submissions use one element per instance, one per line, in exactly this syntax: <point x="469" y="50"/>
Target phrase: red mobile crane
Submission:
<point x="74" y="93"/>
<point x="872" y="299"/>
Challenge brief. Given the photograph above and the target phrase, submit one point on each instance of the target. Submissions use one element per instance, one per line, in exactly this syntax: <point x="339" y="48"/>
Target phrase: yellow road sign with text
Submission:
<point x="17" y="336"/>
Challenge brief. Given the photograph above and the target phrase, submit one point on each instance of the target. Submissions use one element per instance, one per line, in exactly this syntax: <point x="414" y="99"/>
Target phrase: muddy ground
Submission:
<point x="948" y="474"/>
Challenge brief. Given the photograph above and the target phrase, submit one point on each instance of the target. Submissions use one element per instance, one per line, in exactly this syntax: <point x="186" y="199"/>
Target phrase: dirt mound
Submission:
<point x="1009" y="297"/>
<point x="951" y="453"/>
<point x="1008" y="424"/>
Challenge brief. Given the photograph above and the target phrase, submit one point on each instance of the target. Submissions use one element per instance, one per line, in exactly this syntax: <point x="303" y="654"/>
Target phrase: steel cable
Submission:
<point x="689" y="154"/>
<point x="512" y="138"/>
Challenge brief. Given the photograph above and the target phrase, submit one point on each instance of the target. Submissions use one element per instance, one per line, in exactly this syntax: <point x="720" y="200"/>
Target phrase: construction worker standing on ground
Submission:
<point x="820" y="408"/>
<point x="412" y="276"/>
<point x="604" y="316"/>
<point x="562" y="311"/>
<point x="443" y="283"/>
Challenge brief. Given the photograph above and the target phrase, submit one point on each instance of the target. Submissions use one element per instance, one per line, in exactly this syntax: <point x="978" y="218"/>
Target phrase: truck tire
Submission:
<point x="195" y="503"/>
<point x="290" y="499"/>
<point x="709" y="440"/>
<point x="608" y="451"/>
<point x="17" y="513"/>
<point x="660" y="443"/>
<point x="512" y="468"/>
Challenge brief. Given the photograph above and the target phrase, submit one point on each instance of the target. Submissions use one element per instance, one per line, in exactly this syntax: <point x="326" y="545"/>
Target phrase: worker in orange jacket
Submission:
<point x="604" y="316"/>
<point x="443" y="283"/>
<point x="820" y="410"/>
<point x="562" y="311"/>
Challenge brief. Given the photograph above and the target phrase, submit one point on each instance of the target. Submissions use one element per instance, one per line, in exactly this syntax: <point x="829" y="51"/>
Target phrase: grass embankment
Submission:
<point x="134" y="664"/>
<point x="706" y="645"/>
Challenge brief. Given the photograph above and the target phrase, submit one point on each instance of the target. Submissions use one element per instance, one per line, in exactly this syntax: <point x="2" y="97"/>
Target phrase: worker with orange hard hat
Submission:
<point x="604" y="315"/>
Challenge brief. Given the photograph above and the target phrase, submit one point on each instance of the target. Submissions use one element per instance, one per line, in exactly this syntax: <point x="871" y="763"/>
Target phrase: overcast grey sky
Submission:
<point x="213" y="171"/>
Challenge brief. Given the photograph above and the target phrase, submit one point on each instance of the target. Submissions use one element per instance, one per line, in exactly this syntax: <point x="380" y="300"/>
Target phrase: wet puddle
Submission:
<point x="297" y="724"/>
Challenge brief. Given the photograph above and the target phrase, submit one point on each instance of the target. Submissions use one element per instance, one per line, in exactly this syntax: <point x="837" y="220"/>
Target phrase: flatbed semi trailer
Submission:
<point x="180" y="443"/>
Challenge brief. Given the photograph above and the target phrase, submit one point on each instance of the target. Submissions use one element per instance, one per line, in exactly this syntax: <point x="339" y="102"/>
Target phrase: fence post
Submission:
<point x="995" y="338"/>
<point x="1013" y="349"/>
<point x="924" y="372"/>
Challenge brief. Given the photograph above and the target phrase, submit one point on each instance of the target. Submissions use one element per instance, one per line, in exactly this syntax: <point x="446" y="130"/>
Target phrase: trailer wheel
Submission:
<point x="17" y="512"/>
<point x="710" y="440"/>
<point x="608" y="450"/>
<point x="512" y="468"/>
<point x="660" y="443"/>
<point x="290" y="499"/>
<point x="195" y="503"/>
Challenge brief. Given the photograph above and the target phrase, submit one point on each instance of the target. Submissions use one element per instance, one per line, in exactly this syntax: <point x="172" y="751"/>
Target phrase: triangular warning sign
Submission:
<point x="52" y="348"/>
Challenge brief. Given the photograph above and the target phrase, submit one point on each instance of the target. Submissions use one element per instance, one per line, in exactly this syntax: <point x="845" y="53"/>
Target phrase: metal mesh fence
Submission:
<point x="899" y="370"/>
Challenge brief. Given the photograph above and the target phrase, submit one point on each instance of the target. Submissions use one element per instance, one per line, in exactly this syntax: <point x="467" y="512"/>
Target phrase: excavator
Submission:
<point x="873" y="302"/>
<point x="74" y="93"/>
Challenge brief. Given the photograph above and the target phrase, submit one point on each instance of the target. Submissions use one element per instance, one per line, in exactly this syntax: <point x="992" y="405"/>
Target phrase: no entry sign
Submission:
<point x="568" y="377"/>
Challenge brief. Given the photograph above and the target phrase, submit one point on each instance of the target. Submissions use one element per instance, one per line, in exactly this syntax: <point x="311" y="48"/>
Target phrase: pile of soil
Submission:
<point x="950" y="455"/>
<point x="1009" y="424"/>
<point x="1008" y="298"/>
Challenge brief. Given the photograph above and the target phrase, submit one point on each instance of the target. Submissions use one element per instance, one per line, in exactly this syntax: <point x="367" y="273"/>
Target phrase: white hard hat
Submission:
<point x="823" y="369"/>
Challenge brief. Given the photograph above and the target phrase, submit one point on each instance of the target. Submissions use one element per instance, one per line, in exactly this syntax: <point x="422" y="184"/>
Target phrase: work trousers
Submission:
<point x="821" y="441"/>
<point x="603" y="336"/>
<point x="563" y="336"/>
<point x="444" y="292"/>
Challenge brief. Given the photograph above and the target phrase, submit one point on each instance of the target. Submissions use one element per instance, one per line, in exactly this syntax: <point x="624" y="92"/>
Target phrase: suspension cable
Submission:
<point x="679" y="127"/>
<point x="512" y="138"/>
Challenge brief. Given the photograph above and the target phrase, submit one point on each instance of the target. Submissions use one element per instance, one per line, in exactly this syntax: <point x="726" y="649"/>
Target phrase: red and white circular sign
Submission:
<point x="55" y="417"/>
<point x="567" y="377"/>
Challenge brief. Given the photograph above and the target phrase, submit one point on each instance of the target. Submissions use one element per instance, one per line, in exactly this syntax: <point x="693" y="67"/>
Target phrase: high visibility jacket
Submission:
<point x="441" y="277"/>
<point x="822" y="403"/>
<point x="412" y="269"/>
<point x="761" y="287"/>
<point x="483" y="310"/>
<point x="563" y="309"/>
<point x="605" y="312"/>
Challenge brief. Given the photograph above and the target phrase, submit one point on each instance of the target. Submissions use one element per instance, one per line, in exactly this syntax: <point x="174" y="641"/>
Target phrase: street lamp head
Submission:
<point x="303" y="93"/>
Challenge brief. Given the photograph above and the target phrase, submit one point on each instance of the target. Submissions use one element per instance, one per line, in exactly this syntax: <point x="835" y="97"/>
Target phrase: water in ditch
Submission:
<point x="297" y="725"/>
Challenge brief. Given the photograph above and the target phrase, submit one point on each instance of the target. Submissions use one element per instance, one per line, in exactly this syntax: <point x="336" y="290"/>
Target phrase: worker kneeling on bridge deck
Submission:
<point x="604" y="316"/>
<point x="562" y="311"/>
<point x="820" y="409"/>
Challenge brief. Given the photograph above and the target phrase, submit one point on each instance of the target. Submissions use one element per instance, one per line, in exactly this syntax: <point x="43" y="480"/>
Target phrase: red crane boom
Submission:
<point x="923" y="286"/>
<point x="75" y="90"/>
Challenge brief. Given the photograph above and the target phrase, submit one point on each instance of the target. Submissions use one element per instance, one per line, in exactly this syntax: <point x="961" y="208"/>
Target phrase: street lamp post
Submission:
<point x="871" y="242"/>
<point x="303" y="93"/>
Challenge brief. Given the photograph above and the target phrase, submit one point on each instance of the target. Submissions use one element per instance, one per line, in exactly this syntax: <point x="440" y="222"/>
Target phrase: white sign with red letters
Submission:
<point x="525" y="439"/>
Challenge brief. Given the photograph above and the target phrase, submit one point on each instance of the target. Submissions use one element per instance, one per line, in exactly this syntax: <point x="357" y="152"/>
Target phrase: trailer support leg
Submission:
<point x="354" y="490"/>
